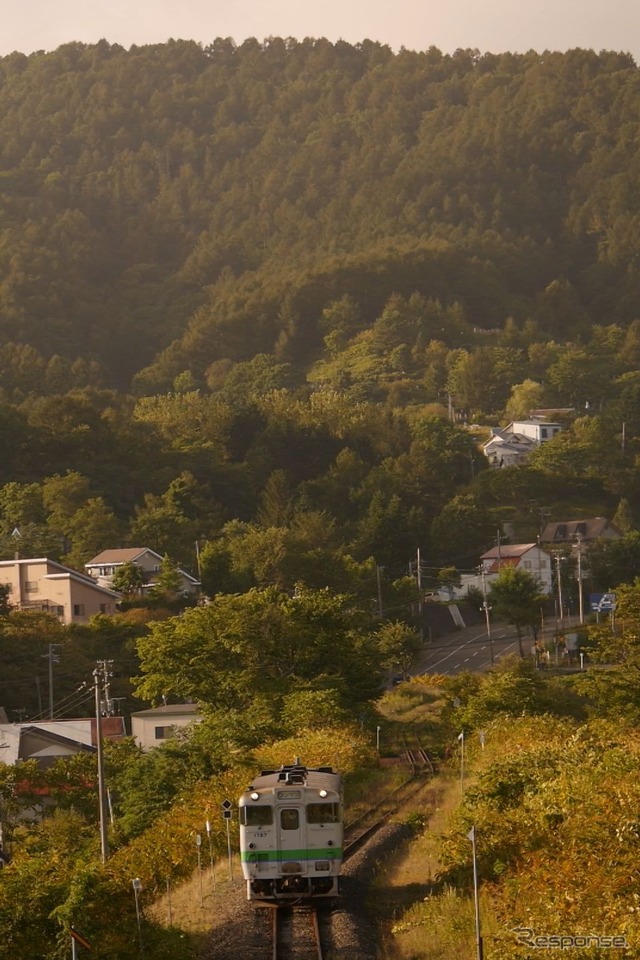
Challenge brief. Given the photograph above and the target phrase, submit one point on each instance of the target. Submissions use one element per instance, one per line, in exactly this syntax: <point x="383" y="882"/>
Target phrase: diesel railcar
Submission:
<point x="291" y="834"/>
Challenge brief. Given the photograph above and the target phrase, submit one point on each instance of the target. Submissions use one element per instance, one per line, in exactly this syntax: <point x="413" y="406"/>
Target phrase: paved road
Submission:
<point x="468" y="649"/>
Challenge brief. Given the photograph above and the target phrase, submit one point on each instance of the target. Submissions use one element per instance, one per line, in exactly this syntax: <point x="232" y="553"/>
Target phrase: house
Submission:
<point x="42" y="584"/>
<point x="103" y="567"/>
<point x="512" y="444"/>
<point x="507" y="451"/>
<point x="584" y="531"/>
<point x="523" y="556"/>
<point x="151" y="728"/>
<point x="49" y="740"/>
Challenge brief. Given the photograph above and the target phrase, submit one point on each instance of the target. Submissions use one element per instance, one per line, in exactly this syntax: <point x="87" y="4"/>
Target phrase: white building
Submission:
<point x="523" y="556"/>
<point x="510" y="445"/>
<point x="152" y="728"/>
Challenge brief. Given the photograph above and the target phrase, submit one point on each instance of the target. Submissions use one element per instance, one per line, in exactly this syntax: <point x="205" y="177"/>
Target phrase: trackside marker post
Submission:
<point x="227" y="813"/>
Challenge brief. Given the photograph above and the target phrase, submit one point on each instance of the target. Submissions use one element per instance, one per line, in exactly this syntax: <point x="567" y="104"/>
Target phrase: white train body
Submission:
<point x="291" y="833"/>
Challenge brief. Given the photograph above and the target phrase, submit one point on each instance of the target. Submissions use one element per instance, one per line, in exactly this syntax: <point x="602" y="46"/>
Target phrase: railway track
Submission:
<point x="358" y="831"/>
<point x="296" y="933"/>
<point x="419" y="760"/>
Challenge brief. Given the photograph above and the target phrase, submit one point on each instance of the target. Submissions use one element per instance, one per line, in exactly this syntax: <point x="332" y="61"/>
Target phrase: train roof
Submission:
<point x="297" y="774"/>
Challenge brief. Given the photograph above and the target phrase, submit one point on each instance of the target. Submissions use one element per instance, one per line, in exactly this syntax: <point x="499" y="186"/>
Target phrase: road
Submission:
<point x="468" y="649"/>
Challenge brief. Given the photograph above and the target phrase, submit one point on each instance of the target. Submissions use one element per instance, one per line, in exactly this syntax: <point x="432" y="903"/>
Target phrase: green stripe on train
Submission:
<point x="282" y="856"/>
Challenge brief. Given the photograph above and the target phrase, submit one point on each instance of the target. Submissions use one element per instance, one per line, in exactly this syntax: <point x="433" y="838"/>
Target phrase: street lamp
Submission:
<point x="558" y="560"/>
<point x="487" y="609"/>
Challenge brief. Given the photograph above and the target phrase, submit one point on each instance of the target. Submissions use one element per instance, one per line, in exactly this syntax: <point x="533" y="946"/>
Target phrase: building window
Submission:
<point x="104" y="608"/>
<point x="31" y="586"/>
<point x="543" y="433"/>
<point x="78" y="609"/>
<point x="59" y="611"/>
<point x="527" y="564"/>
<point x="164" y="733"/>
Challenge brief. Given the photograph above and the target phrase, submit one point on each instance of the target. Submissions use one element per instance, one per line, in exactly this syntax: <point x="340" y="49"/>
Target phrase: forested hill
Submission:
<point x="218" y="201"/>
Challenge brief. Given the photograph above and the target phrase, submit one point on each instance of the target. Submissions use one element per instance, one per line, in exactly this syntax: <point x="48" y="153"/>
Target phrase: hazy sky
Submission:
<point x="490" y="25"/>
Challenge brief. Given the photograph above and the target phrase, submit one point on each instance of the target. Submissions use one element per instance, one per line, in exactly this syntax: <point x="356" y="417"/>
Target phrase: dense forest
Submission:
<point x="252" y="296"/>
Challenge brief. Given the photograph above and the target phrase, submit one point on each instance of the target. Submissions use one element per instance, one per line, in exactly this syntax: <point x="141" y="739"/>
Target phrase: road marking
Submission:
<point x="456" y="650"/>
<point x="458" y="665"/>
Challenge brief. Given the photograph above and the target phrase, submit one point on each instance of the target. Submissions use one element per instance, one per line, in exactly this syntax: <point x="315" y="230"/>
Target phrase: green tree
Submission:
<point x="399" y="643"/>
<point x="623" y="518"/>
<point x="128" y="579"/>
<point x="525" y="397"/>
<point x="515" y="597"/>
<point x="449" y="579"/>
<point x="5" y="599"/>
<point x="462" y="530"/>
<point x="168" y="582"/>
<point x="91" y="528"/>
<point x="261" y="643"/>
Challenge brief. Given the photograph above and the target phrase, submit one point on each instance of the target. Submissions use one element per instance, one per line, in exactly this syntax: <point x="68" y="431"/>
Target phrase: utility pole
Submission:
<point x="52" y="657"/>
<point x="486" y="608"/>
<point x="558" y="560"/>
<point x="100" y="677"/>
<point x="580" y="597"/>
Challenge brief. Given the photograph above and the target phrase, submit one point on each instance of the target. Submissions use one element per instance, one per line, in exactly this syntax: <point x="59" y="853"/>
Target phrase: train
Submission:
<point x="291" y="834"/>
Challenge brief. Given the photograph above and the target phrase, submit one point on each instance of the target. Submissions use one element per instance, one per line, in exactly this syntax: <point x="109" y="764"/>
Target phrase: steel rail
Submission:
<point x="283" y="932"/>
<point x="315" y="923"/>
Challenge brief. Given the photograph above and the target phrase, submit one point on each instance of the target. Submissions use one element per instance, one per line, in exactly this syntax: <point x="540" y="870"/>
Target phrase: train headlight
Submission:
<point x="255" y="796"/>
<point x="323" y="794"/>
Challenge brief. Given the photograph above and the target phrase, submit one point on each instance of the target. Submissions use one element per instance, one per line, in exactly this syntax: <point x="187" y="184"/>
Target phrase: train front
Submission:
<point x="291" y="831"/>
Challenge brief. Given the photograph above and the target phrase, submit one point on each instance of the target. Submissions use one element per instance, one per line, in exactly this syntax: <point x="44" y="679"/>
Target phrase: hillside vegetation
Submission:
<point x="259" y="306"/>
<point x="243" y="287"/>
<point x="223" y="197"/>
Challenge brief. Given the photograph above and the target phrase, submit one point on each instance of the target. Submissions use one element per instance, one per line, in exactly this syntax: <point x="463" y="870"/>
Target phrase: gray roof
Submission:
<point x="566" y="531"/>
<point x="171" y="709"/>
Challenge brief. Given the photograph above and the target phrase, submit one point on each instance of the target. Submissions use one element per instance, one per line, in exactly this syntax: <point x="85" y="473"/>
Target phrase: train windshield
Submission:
<point x="323" y="813"/>
<point x="289" y="819"/>
<point x="256" y="816"/>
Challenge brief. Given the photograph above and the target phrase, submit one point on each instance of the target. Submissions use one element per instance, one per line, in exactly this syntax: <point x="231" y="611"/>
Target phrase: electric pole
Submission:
<point x="487" y="609"/>
<point x="52" y="657"/>
<point x="580" y="597"/>
<point x="558" y="559"/>
<point x="101" y="683"/>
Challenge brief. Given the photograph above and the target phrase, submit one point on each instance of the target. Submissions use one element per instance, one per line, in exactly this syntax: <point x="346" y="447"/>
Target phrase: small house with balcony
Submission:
<point x="103" y="567"/>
